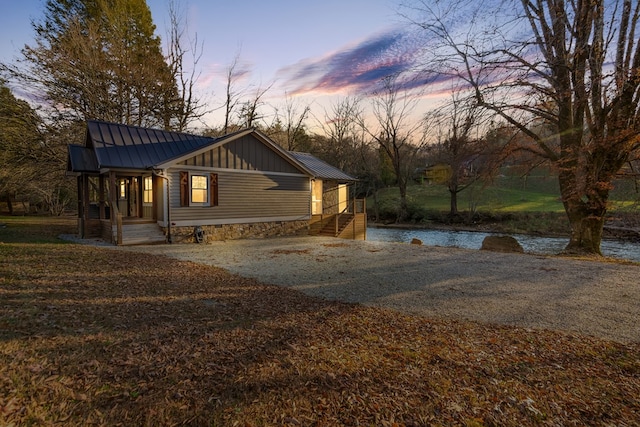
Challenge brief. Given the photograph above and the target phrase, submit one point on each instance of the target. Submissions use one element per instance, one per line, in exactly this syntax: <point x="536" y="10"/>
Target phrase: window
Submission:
<point x="147" y="192"/>
<point x="199" y="189"/>
<point x="122" y="189"/>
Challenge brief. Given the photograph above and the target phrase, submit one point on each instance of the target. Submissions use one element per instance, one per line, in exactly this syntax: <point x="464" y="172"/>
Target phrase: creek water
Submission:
<point x="473" y="240"/>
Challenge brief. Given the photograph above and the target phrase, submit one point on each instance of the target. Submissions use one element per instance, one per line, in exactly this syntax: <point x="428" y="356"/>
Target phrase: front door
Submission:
<point x="129" y="203"/>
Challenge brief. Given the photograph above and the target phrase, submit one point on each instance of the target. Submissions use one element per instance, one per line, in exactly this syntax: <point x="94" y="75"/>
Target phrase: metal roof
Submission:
<point x="82" y="159"/>
<point x="126" y="147"/>
<point x="111" y="145"/>
<point x="320" y="168"/>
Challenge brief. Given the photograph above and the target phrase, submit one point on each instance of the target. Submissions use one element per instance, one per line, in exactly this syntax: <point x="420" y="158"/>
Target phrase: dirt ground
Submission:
<point x="590" y="297"/>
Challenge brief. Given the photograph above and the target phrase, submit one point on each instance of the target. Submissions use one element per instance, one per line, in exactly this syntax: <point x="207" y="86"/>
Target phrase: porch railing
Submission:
<point x="338" y="225"/>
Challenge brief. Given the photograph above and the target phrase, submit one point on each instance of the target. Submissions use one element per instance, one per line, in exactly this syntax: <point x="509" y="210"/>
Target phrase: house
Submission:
<point x="138" y="185"/>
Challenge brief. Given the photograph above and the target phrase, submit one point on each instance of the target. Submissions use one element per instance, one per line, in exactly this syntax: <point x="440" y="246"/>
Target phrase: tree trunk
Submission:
<point x="586" y="211"/>
<point x="453" y="192"/>
<point x="454" y="203"/>
<point x="403" y="209"/>
<point x="376" y="205"/>
<point x="586" y="229"/>
<point x="9" y="204"/>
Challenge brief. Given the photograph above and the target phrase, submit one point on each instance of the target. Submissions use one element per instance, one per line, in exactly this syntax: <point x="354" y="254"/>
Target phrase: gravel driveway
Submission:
<point x="595" y="298"/>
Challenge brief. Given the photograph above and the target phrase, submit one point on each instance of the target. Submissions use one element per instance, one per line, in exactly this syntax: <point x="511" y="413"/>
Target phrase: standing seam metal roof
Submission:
<point x="111" y="145"/>
<point x="320" y="168"/>
<point x="121" y="146"/>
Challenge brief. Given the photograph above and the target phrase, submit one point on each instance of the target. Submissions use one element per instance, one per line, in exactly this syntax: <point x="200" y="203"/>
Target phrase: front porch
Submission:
<point x="119" y="208"/>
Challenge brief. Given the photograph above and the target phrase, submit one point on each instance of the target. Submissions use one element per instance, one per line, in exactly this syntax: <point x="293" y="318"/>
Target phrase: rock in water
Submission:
<point x="501" y="244"/>
<point x="415" y="241"/>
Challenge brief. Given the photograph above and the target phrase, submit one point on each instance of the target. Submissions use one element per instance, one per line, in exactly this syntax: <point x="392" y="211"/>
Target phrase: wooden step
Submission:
<point x="141" y="234"/>
<point x="329" y="230"/>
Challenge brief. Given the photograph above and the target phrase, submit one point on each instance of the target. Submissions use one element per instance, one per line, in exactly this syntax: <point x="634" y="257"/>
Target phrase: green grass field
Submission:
<point x="508" y="204"/>
<point x="505" y="194"/>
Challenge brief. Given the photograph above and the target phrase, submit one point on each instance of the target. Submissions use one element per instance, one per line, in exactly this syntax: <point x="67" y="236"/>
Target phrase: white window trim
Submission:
<point x="207" y="192"/>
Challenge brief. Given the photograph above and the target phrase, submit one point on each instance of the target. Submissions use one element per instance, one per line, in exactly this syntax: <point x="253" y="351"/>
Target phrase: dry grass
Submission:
<point x="91" y="336"/>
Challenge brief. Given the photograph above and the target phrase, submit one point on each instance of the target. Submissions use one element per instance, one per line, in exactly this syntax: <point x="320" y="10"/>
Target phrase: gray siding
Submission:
<point x="246" y="195"/>
<point x="246" y="153"/>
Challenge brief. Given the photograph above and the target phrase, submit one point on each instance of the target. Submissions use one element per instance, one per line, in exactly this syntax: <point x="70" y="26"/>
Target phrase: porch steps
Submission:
<point x="142" y="234"/>
<point x="329" y="230"/>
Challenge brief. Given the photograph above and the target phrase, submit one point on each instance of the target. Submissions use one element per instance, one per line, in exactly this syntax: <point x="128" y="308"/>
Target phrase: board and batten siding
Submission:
<point x="246" y="153"/>
<point x="245" y="196"/>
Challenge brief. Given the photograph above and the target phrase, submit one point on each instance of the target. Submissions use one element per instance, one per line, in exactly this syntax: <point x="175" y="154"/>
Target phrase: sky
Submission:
<point x="312" y="50"/>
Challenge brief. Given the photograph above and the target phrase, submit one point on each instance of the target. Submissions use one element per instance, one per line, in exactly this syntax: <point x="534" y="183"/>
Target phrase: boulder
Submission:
<point x="501" y="244"/>
<point x="415" y="241"/>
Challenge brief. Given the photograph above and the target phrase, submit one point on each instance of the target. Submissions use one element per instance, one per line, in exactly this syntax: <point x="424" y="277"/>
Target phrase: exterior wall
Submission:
<point x="316" y="197"/>
<point x="244" y="197"/>
<point x="159" y="189"/>
<point x="343" y="197"/>
<point x="330" y="198"/>
<point x="241" y="231"/>
<point x="247" y="153"/>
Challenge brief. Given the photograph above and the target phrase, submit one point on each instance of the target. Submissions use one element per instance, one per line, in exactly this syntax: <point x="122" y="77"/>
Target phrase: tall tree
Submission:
<point x="32" y="156"/>
<point x="19" y="133"/>
<point x="249" y="114"/>
<point x="180" y="112"/>
<point x="289" y="125"/>
<point x="460" y="148"/>
<point x="343" y="135"/>
<point x="234" y="72"/>
<point x="398" y="135"/>
<point x="575" y="68"/>
<point x="100" y="59"/>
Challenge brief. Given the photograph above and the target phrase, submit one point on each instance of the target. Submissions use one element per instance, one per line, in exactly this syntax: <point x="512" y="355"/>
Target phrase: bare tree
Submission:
<point x="288" y="127"/>
<point x="233" y="94"/>
<point x="460" y="148"/>
<point x="249" y="113"/>
<point x="398" y="135"/>
<point x="575" y="68"/>
<point x="186" y="107"/>
<point x="340" y="127"/>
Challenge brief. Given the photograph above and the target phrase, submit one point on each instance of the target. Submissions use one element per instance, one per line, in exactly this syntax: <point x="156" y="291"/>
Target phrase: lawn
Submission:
<point x="509" y="204"/>
<point x="94" y="336"/>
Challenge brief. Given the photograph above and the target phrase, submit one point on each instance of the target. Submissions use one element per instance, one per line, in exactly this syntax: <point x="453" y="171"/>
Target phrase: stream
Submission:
<point x="473" y="240"/>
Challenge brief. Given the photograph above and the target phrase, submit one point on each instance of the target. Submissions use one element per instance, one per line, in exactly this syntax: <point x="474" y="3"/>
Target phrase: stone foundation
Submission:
<point x="241" y="231"/>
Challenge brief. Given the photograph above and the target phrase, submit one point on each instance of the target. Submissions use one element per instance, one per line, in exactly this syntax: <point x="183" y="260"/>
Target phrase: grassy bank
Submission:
<point x="95" y="336"/>
<point x="509" y="205"/>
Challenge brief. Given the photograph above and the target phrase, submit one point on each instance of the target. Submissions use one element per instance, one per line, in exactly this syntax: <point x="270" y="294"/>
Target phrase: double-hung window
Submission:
<point x="198" y="189"/>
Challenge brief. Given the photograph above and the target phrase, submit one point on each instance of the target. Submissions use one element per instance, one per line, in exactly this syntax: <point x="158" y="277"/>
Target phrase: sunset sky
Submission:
<point x="311" y="49"/>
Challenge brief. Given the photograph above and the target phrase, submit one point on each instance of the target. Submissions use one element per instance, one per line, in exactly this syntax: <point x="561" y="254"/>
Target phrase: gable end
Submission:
<point x="245" y="153"/>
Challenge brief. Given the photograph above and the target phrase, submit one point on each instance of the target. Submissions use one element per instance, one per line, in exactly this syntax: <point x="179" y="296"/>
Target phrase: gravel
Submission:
<point x="588" y="297"/>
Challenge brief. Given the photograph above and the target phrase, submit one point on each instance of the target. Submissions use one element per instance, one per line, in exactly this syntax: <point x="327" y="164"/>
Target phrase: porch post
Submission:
<point x="116" y="216"/>
<point x="155" y="184"/>
<point x="103" y="214"/>
<point x="140" y="196"/>
<point x="80" y="208"/>
<point x="85" y="205"/>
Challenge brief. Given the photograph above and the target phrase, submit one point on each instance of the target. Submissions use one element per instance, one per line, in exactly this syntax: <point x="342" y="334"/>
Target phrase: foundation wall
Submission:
<point x="241" y="231"/>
